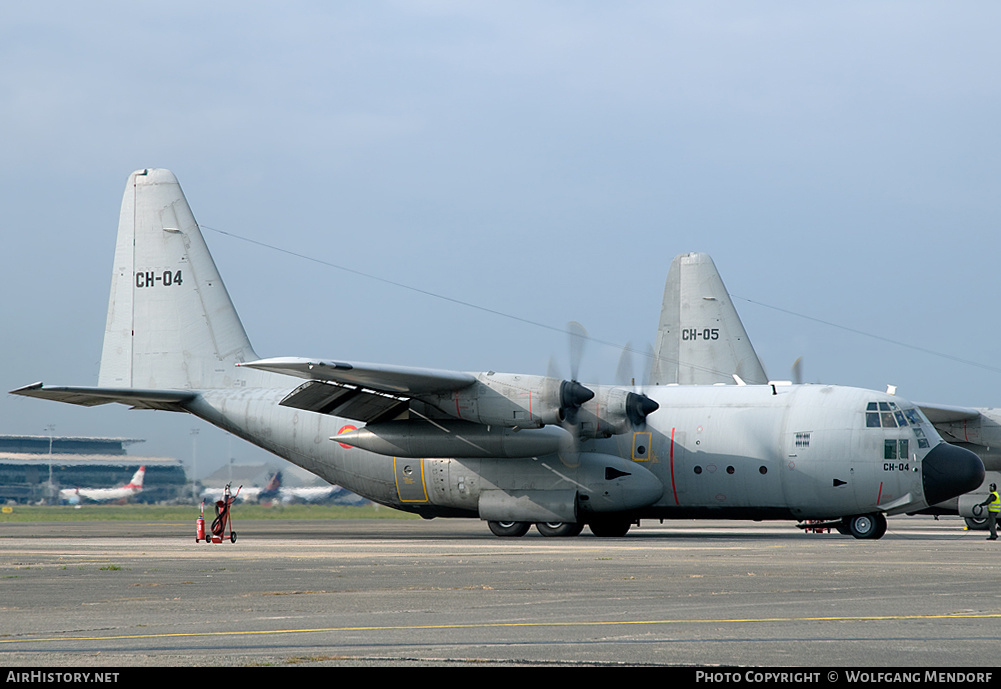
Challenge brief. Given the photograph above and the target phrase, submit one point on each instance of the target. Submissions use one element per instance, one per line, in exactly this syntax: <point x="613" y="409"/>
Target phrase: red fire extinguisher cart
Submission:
<point x="223" y="519"/>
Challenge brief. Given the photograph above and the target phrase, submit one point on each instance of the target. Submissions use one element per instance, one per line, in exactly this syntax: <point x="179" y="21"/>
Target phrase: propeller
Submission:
<point x="573" y="395"/>
<point x="570" y="393"/>
<point x="577" y="339"/>
<point x="797" y="371"/>
<point x="638" y="405"/>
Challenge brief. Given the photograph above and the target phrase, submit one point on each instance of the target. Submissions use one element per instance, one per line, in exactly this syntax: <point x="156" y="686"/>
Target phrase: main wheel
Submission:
<point x="869" y="526"/>
<point x="609" y="528"/>
<point x="562" y="529"/>
<point x="976" y="523"/>
<point x="509" y="529"/>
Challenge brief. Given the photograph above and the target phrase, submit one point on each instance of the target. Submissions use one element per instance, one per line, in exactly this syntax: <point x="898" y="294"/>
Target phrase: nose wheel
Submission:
<point x="870" y="526"/>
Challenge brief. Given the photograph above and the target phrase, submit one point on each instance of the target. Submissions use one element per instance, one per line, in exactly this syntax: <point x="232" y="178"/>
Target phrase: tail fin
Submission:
<point x="171" y="323"/>
<point x="700" y="339"/>
<point x="275" y="482"/>
<point x="137" y="478"/>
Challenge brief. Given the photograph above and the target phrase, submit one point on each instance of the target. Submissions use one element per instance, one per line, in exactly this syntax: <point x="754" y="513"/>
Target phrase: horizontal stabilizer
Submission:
<point x="169" y="400"/>
<point x="394" y="380"/>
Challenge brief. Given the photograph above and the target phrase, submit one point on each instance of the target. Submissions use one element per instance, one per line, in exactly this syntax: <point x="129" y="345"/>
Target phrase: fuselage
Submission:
<point x="752" y="452"/>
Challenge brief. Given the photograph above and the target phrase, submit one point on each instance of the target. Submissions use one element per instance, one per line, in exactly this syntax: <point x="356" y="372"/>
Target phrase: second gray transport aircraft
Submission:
<point x="510" y="449"/>
<point x="695" y="293"/>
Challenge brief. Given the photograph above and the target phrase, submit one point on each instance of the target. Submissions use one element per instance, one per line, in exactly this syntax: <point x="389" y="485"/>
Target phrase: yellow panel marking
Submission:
<point x="410" y="482"/>
<point x="642" y="439"/>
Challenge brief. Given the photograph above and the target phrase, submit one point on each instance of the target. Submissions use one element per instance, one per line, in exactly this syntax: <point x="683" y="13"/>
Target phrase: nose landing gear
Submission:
<point x="870" y="526"/>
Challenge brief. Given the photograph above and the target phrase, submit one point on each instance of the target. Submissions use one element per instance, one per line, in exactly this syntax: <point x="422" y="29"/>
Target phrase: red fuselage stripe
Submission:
<point x="674" y="488"/>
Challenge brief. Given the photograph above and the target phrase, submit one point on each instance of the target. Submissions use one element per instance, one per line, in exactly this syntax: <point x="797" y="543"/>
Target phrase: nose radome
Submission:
<point x="949" y="471"/>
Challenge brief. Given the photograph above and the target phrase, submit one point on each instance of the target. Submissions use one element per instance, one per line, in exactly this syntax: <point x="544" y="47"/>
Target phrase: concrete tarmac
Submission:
<point x="447" y="592"/>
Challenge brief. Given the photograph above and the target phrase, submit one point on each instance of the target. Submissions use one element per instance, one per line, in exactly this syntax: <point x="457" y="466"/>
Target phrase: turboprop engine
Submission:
<point x="614" y="410"/>
<point x="514" y="400"/>
<point x="525" y="401"/>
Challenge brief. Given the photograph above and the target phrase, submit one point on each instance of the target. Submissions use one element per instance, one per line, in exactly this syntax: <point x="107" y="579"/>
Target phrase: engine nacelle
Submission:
<point x="969" y="505"/>
<point x="447" y="438"/>
<point x="614" y="410"/>
<point x="514" y="400"/>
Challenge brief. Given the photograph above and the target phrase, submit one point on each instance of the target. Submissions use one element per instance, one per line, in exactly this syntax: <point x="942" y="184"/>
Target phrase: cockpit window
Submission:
<point x="889" y="415"/>
<point x="884" y="415"/>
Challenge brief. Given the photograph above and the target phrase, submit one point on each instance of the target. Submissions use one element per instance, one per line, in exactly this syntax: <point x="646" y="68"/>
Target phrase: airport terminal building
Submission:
<point x="33" y="468"/>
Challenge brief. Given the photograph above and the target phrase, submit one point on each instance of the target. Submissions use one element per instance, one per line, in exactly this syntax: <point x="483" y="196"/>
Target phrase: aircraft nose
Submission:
<point x="948" y="471"/>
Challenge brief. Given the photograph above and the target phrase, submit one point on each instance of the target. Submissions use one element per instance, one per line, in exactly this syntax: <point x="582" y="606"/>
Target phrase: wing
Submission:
<point x="968" y="425"/>
<point x="392" y="380"/>
<point x="944" y="414"/>
<point x="370" y="393"/>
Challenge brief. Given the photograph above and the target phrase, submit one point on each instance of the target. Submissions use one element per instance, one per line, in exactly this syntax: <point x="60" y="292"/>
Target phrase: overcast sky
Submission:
<point x="544" y="160"/>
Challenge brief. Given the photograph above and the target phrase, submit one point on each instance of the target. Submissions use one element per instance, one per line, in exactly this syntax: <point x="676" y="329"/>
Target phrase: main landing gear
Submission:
<point x="560" y="529"/>
<point x="509" y="529"/>
<point x="606" y="528"/>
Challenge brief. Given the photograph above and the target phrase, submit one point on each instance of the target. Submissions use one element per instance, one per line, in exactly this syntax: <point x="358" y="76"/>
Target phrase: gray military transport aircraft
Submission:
<point x="695" y="294"/>
<point x="511" y="449"/>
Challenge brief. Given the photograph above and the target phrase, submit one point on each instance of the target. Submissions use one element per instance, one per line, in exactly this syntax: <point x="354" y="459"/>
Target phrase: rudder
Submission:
<point x="171" y="323"/>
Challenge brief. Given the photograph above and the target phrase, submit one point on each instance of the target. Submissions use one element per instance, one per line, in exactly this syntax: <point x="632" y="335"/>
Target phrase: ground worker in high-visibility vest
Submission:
<point x="993" y="505"/>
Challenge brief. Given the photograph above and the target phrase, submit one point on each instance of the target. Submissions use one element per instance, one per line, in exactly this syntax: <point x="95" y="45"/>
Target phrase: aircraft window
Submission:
<point x="762" y="470"/>
<point x="916" y="416"/>
<point x="730" y="470"/>
<point x="920" y="435"/>
<point x="698" y="470"/>
<point x="889" y="449"/>
<point x="895" y="448"/>
<point x="889" y="415"/>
